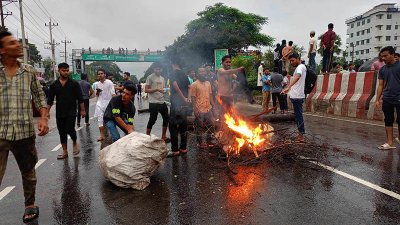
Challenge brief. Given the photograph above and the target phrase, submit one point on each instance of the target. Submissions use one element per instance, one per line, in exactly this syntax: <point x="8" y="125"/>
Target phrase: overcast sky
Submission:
<point x="143" y="24"/>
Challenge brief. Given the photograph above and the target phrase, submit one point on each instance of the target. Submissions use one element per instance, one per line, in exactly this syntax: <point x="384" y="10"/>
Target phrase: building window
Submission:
<point x="362" y="42"/>
<point x="358" y="43"/>
<point x="351" y="35"/>
<point x="395" y="38"/>
<point x="396" y="27"/>
<point x="367" y="41"/>
<point x="368" y="20"/>
<point x="389" y="16"/>
<point x="357" y="53"/>
<point x="358" y="23"/>
<point x="362" y="52"/>
<point x="387" y="38"/>
<point x="379" y="16"/>
<point x="363" y="22"/>
<point x="366" y="51"/>
<point x="358" y="33"/>
<point x="368" y="30"/>
<point x="362" y="32"/>
<point x="388" y="27"/>
<point x="352" y="25"/>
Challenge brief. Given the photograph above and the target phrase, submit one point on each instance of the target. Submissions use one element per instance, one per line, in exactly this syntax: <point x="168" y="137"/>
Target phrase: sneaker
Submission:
<point x="173" y="154"/>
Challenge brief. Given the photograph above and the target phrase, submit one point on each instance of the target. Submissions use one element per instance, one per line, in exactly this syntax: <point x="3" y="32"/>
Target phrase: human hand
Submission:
<point x="161" y="90"/>
<point x="377" y="103"/>
<point x="129" y="130"/>
<point x="43" y="126"/>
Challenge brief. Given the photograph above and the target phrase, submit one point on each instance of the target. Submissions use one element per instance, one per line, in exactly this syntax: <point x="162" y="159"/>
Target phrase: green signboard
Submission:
<point x="218" y="54"/>
<point x="76" y="76"/>
<point x="121" y="58"/>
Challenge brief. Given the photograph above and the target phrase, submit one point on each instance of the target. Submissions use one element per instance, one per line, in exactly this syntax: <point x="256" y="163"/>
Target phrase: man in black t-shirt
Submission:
<point x="179" y="107"/>
<point x="127" y="81"/>
<point x="120" y="112"/>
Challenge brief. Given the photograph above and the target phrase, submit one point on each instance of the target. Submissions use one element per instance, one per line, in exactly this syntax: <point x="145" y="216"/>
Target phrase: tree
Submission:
<point x="33" y="54"/>
<point x="218" y="26"/>
<point x="336" y="48"/>
<point x="47" y="68"/>
<point x="109" y="67"/>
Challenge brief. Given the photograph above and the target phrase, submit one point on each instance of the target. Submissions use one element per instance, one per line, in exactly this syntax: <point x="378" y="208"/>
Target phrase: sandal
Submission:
<point x="62" y="156"/>
<point x="173" y="154"/>
<point x="33" y="212"/>
<point x="386" y="146"/>
<point x="76" y="153"/>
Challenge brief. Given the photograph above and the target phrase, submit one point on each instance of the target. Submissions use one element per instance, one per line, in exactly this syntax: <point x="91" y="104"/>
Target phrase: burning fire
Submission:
<point x="246" y="136"/>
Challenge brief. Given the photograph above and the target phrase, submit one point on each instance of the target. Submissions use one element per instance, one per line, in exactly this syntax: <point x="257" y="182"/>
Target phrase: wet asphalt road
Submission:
<point x="197" y="189"/>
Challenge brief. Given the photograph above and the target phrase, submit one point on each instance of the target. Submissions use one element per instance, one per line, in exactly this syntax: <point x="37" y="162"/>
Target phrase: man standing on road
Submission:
<point x="296" y="92"/>
<point x="120" y="112"/>
<point x="286" y="51"/>
<point x="155" y="84"/>
<point x="104" y="92"/>
<point x="225" y="84"/>
<point x="328" y="43"/>
<point x="139" y="90"/>
<point x="203" y="103"/>
<point x="389" y="85"/>
<point x="276" y="89"/>
<point x="127" y="81"/>
<point x="277" y="57"/>
<point x="67" y="92"/>
<point x="17" y="132"/>
<point x="87" y="91"/>
<point x="283" y="45"/>
<point x="266" y="89"/>
<point x="260" y="73"/>
<point x="179" y="107"/>
<point x="312" y="51"/>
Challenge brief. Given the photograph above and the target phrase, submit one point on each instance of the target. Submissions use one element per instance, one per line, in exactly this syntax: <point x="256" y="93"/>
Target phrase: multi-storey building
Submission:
<point x="373" y="30"/>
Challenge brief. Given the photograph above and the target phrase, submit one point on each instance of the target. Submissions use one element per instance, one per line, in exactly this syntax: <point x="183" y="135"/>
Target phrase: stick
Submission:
<point x="262" y="113"/>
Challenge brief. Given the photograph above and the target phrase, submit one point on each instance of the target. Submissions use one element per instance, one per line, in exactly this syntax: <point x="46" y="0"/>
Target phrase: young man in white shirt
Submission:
<point x="296" y="92"/>
<point x="312" y="51"/>
<point x="104" y="92"/>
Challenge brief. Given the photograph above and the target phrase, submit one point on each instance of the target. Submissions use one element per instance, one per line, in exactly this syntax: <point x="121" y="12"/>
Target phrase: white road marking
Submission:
<point x="6" y="191"/>
<point x="356" y="179"/>
<point x="39" y="163"/>
<point x="80" y="128"/>
<point x="56" y="148"/>
<point x="91" y="118"/>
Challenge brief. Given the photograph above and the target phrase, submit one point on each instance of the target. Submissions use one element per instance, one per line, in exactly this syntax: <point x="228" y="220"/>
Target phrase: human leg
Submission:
<point x="183" y="132"/>
<point x="388" y="112"/>
<point x="311" y="61"/>
<point x="86" y="104"/>
<point x="78" y="116"/>
<point x="153" y="117"/>
<point x="112" y="128"/>
<point x="264" y="101"/>
<point x="173" y="130"/>
<point x="275" y="97"/>
<point x="298" y="111"/>
<point x="163" y="109"/>
<point x="62" y="131"/>
<point x="70" y="121"/>
<point x="4" y="149"/>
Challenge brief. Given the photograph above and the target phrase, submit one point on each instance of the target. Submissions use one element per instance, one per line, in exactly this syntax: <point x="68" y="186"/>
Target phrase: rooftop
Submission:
<point x="381" y="7"/>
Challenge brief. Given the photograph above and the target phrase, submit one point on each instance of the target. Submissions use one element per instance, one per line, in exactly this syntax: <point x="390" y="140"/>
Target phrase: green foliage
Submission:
<point x="47" y="68"/>
<point x="33" y="54"/>
<point x="248" y="64"/>
<point x="218" y="27"/>
<point x="109" y="67"/>
<point x="336" y="48"/>
<point x="134" y="79"/>
<point x="268" y="59"/>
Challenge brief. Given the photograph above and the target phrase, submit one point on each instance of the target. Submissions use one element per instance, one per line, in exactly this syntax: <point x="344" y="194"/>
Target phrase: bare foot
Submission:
<point x="100" y="139"/>
<point x="76" y="150"/>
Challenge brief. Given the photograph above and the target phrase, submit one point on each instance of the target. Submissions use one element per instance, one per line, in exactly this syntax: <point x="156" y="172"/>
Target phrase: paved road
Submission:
<point x="196" y="189"/>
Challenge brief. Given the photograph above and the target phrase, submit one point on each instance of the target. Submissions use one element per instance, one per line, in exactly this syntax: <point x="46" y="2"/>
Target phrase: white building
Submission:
<point x="373" y="30"/>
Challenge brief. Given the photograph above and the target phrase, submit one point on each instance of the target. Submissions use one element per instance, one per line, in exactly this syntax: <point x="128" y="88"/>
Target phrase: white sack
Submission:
<point x="132" y="160"/>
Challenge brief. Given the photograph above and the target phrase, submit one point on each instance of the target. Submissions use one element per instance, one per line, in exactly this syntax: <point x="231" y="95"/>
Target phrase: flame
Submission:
<point x="246" y="136"/>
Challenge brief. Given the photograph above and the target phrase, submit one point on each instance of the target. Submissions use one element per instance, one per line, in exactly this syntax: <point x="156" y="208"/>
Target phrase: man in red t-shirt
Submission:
<point x="328" y="42"/>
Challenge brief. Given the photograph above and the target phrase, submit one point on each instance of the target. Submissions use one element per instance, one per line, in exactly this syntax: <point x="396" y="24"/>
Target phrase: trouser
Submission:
<point x="178" y="126"/>
<point x="298" y="112"/>
<point x="280" y="66"/>
<point x="86" y="105"/>
<point x="284" y="102"/>
<point x="311" y="61"/>
<point x="154" y="109"/>
<point x="388" y="111"/>
<point x="327" y="60"/>
<point x="266" y="99"/>
<point x="112" y="128"/>
<point x="25" y="154"/>
<point x="204" y="126"/>
<point x="286" y="65"/>
<point x="276" y="66"/>
<point x="226" y="104"/>
<point x="66" y="126"/>
<point x="139" y="93"/>
<point x="279" y="97"/>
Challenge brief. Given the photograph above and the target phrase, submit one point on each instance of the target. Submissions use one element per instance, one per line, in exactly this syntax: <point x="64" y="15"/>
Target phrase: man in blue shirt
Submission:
<point x="389" y="85"/>
<point x="266" y="88"/>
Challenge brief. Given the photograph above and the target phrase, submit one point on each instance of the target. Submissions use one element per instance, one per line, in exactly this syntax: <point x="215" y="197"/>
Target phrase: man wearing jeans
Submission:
<point x="296" y="92"/>
<point x="389" y="85"/>
<point x="120" y="112"/>
<point x="312" y="51"/>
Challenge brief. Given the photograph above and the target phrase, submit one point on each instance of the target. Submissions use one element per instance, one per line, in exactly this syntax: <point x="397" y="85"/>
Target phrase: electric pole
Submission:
<point x="352" y="52"/>
<point x="2" y="14"/>
<point x="24" y="46"/>
<point x="65" y="42"/>
<point x="52" y="44"/>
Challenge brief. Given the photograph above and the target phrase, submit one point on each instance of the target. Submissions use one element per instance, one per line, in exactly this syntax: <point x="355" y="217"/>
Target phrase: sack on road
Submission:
<point x="132" y="160"/>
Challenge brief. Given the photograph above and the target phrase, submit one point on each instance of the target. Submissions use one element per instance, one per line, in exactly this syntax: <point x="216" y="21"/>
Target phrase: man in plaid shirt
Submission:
<point x="18" y="83"/>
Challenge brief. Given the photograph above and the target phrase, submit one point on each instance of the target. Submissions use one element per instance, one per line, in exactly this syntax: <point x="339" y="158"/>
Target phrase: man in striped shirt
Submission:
<point x="18" y="83"/>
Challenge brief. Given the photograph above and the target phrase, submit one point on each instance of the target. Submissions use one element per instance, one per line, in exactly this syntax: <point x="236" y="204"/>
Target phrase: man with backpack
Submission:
<point x="296" y="91"/>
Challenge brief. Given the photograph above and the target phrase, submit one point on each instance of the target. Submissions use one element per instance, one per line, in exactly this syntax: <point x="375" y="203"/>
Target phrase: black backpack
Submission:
<point x="311" y="78"/>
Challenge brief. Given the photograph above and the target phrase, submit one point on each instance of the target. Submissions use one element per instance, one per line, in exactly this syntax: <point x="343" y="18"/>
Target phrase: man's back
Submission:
<point x="85" y="86"/>
<point x="327" y="38"/>
<point x="276" y="80"/>
<point x="286" y="51"/>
